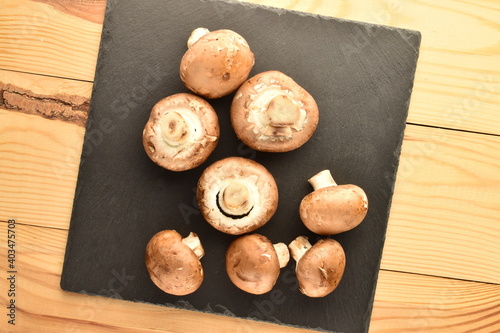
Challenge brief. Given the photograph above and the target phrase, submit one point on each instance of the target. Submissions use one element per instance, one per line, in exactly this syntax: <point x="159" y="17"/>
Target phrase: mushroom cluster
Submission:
<point x="270" y="112"/>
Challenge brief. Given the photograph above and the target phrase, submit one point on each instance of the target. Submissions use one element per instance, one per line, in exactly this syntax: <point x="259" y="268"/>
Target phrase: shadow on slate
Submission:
<point x="361" y="76"/>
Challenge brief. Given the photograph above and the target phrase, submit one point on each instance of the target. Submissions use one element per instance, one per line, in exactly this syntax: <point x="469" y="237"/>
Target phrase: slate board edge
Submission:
<point x="88" y="124"/>
<point x="280" y="11"/>
<point x="187" y="307"/>
<point x="397" y="153"/>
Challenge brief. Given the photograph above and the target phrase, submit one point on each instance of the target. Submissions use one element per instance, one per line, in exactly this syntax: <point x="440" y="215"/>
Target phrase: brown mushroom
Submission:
<point x="319" y="267"/>
<point x="173" y="262"/>
<point x="182" y="131"/>
<point x="253" y="263"/>
<point x="332" y="208"/>
<point x="270" y="112"/>
<point x="237" y="195"/>
<point x="216" y="63"/>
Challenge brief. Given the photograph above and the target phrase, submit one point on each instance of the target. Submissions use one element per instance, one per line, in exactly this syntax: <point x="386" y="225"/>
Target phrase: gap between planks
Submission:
<point x="45" y="75"/>
<point x="452" y="129"/>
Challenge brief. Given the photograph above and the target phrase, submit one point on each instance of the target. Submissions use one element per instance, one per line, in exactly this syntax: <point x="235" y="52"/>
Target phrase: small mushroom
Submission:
<point x="332" y="208"/>
<point x="237" y="195"/>
<point x="270" y="112"/>
<point x="216" y="63"/>
<point x="319" y="267"/>
<point x="253" y="263"/>
<point x="173" y="262"/>
<point x="182" y="131"/>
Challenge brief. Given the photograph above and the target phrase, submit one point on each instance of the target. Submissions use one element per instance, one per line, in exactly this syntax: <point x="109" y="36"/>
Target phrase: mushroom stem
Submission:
<point x="298" y="247"/>
<point x="282" y="111"/>
<point x="195" y="35"/>
<point x="278" y="131"/>
<point x="283" y="254"/>
<point x="322" y="179"/>
<point x="235" y="199"/>
<point x="193" y="242"/>
<point x="173" y="128"/>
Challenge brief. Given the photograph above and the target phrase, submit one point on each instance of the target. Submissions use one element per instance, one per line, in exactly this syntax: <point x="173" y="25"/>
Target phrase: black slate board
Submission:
<point x="361" y="76"/>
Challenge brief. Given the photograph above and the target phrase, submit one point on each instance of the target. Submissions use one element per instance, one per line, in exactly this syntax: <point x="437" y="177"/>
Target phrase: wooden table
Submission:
<point x="441" y="264"/>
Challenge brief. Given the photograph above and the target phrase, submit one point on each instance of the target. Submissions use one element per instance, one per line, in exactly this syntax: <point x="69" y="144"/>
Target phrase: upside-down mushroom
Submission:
<point x="331" y="209"/>
<point x="216" y="63"/>
<point x="253" y="263"/>
<point x="270" y="112"/>
<point x="182" y="132"/>
<point x="173" y="262"/>
<point x="320" y="267"/>
<point x="237" y="195"/>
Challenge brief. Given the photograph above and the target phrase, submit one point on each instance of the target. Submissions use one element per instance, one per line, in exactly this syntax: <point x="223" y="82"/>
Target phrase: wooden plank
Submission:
<point x="40" y="158"/>
<point x="50" y="39"/>
<point x="403" y="303"/>
<point x="444" y="218"/>
<point x="416" y="303"/>
<point x="91" y="10"/>
<point x="38" y="168"/>
<point x="457" y="82"/>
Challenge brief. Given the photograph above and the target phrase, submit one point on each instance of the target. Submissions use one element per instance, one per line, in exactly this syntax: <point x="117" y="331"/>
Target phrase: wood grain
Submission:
<point x="416" y="303"/>
<point x="48" y="97"/>
<point x="38" y="168"/>
<point x="444" y="219"/>
<point x="403" y="302"/>
<point x="41" y="38"/>
<point x="457" y="83"/>
<point x="91" y="10"/>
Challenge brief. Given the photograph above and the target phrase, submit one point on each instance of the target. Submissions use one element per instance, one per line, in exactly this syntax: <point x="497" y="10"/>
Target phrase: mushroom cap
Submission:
<point x="251" y="121"/>
<point x="216" y="64"/>
<point x="252" y="264"/>
<point x="321" y="268"/>
<point x="334" y="209"/>
<point x="172" y="265"/>
<point x="259" y="182"/>
<point x="201" y="138"/>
